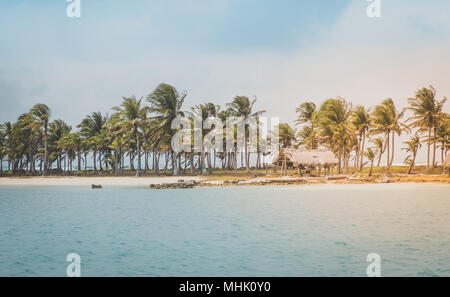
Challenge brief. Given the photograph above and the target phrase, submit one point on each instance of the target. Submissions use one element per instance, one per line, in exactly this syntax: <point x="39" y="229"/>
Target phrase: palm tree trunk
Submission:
<point x="434" y="149"/>
<point x="357" y="153"/>
<point x="428" y="150"/>
<point x="146" y="160"/>
<point x="85" y="163"/>
<point x="361" y="162"/>
<point x="202" y="161"/>
<point x="100" y="160"/>
<point x="95" y="162"/>
<point x="393" y="149"/>
<point x="138" y="172"/>
<point x="247" y="165"/>
<point x="371" y="168"/>
<point x="156" y="164"/>
<point x="388" y="164"/>
<point x="339" y="162"/>
<point x="79" y="163"/>
<point x="412" y="163"/>
<point x="379" y="158"/>
<point x="174" y="163"/>
<point x="117" y="169"/>
<point x="45" y="151"/>
<point x="210" y="169"/>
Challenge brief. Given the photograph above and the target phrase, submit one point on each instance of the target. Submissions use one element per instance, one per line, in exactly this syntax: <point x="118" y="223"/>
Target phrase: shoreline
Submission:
<point x="218" y="182"/>
<point x="88" y="181"/>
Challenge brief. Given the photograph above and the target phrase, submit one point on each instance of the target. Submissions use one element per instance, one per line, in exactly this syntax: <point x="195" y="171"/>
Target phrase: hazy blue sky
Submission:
<point x="284" y="52"/>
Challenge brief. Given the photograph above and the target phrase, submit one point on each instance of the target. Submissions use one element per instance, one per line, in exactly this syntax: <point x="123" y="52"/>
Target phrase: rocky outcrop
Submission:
<point x="96" y="187"/>
<point x="181" y="184"/>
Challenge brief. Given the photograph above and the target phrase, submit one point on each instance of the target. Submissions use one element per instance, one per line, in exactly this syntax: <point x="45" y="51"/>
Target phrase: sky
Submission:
<point x="283" y="52"/>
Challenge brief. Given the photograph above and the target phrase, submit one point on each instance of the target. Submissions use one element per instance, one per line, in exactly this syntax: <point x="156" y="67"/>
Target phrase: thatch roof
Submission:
<point x="304" y="158"/>
<point x="311" y="158"/>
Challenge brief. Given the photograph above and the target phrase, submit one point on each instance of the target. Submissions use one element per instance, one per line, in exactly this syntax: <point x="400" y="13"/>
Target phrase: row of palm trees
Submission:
<point x="140" y="129"/>
<point x="347" y="130"/>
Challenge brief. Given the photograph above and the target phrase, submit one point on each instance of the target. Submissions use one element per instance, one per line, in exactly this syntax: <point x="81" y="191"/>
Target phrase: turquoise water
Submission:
<point x="242" y="231"/>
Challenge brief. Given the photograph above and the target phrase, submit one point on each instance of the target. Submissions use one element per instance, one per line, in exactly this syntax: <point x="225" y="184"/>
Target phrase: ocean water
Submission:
<point x="242" y="231"/>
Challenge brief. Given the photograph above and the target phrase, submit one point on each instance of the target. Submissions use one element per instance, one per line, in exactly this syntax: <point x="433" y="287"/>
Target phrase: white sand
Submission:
<point x="85" y="181"/>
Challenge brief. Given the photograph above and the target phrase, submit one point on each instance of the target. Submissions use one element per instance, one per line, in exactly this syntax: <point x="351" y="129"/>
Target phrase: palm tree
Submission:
<point x="397" y="127"/>
<point x="387" y="121"/>
<point x="117" y="131"/>
<point x="412" y="146"/>
<point x="57" y="130"/>
<point x="6" y="128"/>
<point x="165" y="105"/>
<point x="308" y="114"/>
<point x="133" y="115"/>
<point x="379" y="145"/>
<point x="370" y="154"/>
<point x="443" y="134"/>
<point x="91" y="127"/>
<point x="204" y="112"/>
<point x="2" y="146"/>
<point x="362" y="122"/>
<point x="242" y="107"/>
<point x="426" y="112"/>
<point x="286" y="138"/>
<point x="336" y="129"/>
<point x="41" y="114"/>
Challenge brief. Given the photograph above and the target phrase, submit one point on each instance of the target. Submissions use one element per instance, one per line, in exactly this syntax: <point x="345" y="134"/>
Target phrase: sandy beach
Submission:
<point x="88" y="181"/>
<point x="212" y="181"/>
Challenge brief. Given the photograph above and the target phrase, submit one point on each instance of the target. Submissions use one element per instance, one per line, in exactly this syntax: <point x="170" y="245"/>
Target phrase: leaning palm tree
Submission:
<point x="242" y="107"/>
<point x="336" y="130"/>
<point x="384" y="116"/>
<point x="41" y="114"/>
<point x="426" y="112"/>
<point x="133" y="115"/>
<point x="379" y="145"/>
<point x="397" y="127"/>
<point x="443" y="135"/>
<point x="57" y="130"/>
<point x="362" y="121"/>
<point x="371" y="155"/>
<point x="90" y="128"/>
<point x="308" y="114"/>
<point x="412" y="146"/>
<point x="2" y="146"/>
<point x="165" y="105"/>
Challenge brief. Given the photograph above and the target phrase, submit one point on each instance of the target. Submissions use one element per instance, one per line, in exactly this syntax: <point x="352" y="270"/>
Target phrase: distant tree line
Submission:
<point x="139" y="133"/>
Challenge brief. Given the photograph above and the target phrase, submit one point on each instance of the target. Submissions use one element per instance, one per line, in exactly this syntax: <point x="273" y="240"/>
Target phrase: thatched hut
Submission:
<point x="311" y="159"/>
<point x="302" y="159"/>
